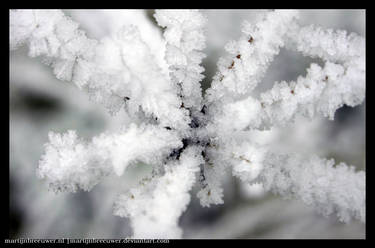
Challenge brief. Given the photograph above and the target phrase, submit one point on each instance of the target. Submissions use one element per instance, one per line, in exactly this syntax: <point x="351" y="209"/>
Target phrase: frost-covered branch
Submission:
<point x="155" y="206"/>
<point x="70" y="163"/>
<point x="322" y="91"/>
<point x="326" y="186"/>
<point x="116" y="70"/>
<point x="318" y="182"/>
<point x="250" y="56"/>
<point x="185" y="39"/>
<point x="211" y="174"/>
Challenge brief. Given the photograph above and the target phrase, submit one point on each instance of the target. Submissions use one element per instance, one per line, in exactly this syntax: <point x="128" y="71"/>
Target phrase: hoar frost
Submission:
<point x="189" y="138"/>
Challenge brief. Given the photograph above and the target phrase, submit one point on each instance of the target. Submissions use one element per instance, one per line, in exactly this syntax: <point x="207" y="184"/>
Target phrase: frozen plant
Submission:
<point x="188" y="137"/>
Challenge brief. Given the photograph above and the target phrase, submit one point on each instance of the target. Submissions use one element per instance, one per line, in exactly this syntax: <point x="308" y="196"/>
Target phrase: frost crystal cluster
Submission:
<point x="189" y="138"/>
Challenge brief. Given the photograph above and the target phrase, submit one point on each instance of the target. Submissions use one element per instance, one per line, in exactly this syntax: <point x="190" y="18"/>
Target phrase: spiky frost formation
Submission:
<point x="188" y="138"/>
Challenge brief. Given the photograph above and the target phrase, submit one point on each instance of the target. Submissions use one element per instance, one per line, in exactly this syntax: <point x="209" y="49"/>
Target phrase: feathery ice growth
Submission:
<point x="189" y="138"/>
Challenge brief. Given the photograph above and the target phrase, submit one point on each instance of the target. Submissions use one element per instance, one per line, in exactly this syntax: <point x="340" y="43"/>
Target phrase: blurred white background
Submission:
<point x="40" y="103"/>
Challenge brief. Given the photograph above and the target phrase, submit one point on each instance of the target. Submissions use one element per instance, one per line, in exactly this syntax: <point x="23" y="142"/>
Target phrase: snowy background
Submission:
<point x="40" y="103"/>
